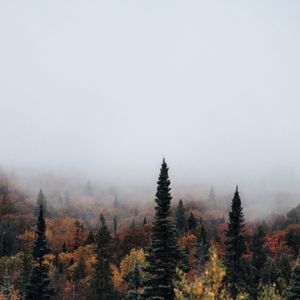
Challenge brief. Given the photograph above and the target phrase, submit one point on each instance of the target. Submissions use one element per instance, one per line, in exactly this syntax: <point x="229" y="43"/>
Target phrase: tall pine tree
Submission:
<point x="38" y="286"/>
<point x="180" y="217"/>
<point x="202" y="254"/>
<point x="163" y="252"/>
<point x="235" y="243"/>
<point x="102" y="285"/>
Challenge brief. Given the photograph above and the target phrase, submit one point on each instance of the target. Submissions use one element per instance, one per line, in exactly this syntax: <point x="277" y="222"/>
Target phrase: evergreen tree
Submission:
<point x="38" y="286"/>
<point x="145" y="221"/>
<point x="41" y="200"/>
<point x="202" y="254"/>
<point x="24" y="273"/>
<point x="64" y="247"/>
<point x="102" y="285"/>
<point x="7" y="287"/>
<point x="293" y="292"/>
<point x="115" y="226"/>
<point x="90" y="239"/>
<point x="234" y="244"/>
<point x="163" y="253"/>
<point x="76" y="240"/>
<point x="180" y="217"/>
<point x="192" y="222"/>
<point x="259" y="252"/>
<point x="79" y="272"/>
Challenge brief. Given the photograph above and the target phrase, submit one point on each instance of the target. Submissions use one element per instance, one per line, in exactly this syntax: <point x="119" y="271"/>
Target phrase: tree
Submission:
<point x="234" y="243"/>
<point x="163" y="252"/>
<point x="41" y="200"/>
<point x="192" y="222"/>
<point x="64" y="247"/>
<point x="293" y="292"/>
<point x="7" y="287"/>
<point x="76" y="244"/>
<point x="259" y="253"/>
<point x="38" y="286"/>
<point x="202" y="248"/>
<point x="102" y="285"/>
<point x="115" y="226"/>
<point x="90" y="239"/>
<point x="180" y="217"/>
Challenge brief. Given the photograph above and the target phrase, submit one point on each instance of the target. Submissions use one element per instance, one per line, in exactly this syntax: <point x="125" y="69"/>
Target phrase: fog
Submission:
<point x="102" y="90"/>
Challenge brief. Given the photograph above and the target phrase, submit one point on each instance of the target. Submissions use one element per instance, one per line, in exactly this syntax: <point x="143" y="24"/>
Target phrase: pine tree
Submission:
<point x="7" y="287"/>
<point x="38" y="286"/>
<point x="145" y="221"/>
<point x="180" y="217"/>
<point x="64" y="247"/>
<point x="115" y="226"/>
<point x="192" y="222"/>
<point x="234" y="244"/>
<point x="25" y="273"/>
<point x="90" y="239"/>
<point x="163" y="252"/>
<point x="76" y="244"/>
<point x="259" y="252"/>
<point x="79" y="272"/>
<point x="102" y="285"/>
<point x="41" y="200"/>
<point x="293" y="292"/>
<point x="202" y="254"/>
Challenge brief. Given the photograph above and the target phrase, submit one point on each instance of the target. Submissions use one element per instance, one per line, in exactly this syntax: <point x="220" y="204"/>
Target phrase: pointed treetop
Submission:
<point x="102" y="219"/>
<point x="237" y="189"/>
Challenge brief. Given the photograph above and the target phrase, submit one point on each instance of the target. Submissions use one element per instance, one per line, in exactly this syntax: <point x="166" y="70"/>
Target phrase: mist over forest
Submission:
<point x="149" y="150"/>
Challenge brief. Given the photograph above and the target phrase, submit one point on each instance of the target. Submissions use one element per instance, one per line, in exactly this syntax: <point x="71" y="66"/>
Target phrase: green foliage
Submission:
<point x="192" y="222"/>
<point x="235" y="242"/>
<point x="163" y="253"/>
<point x="202" y="248"/>
<point x="180" y="217"/>
<point x="38" y="286"/>
<point x="102" y="286"/>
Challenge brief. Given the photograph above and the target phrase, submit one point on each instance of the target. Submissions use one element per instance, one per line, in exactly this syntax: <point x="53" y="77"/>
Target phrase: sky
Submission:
<point x="110" y="87"/>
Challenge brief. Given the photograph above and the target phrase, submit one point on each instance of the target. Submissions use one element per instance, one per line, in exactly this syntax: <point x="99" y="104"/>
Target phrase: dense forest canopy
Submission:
<point x="85" y="247"/>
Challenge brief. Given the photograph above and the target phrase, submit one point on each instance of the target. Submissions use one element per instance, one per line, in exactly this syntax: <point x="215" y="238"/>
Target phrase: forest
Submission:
<point x="176" y="249"/>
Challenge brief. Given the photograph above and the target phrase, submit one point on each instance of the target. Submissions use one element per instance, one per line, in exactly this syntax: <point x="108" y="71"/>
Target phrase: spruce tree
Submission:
<point x="202" y="254"/>
<point x="293" y="292"/>
<point x="90" y="239"/>
<point x="102" y="285"/>
<point x="192" y="222"/>
<point x="259" y="252"/>
<point x="234" y="243"/>
<point x="41" y="200"/>
<point x="7" y="287"/>
<point x="180" y="217"/>
<point x="163" y="252"/>
<point x="38" y="286"/>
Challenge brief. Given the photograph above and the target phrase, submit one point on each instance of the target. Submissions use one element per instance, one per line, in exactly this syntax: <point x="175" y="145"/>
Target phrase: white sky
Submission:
<point x="112" y="86"/>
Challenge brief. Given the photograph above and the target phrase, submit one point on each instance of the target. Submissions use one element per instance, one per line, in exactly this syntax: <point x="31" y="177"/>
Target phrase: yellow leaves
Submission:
<point x="269" y="292"/>
<point x="136" y="256"/>
<point x="208" y="286"/>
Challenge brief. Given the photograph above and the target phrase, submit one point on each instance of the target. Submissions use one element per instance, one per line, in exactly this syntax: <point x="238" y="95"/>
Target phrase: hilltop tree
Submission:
<point x="180" y="217"/>
<point x="234" y="243"/>
<point x="293" y="292"/>
<point x="163" y="252"/>
<point x="202" y="254"/>
<point x="38" y="286"/>
<point x="102" y="285"/>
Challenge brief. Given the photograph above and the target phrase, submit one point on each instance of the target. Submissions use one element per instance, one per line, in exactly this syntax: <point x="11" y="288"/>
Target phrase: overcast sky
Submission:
<point x="112" y="86"/>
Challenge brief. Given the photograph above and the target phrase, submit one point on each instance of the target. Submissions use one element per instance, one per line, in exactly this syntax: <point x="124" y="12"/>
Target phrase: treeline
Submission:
<point x="177" y="254"/>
